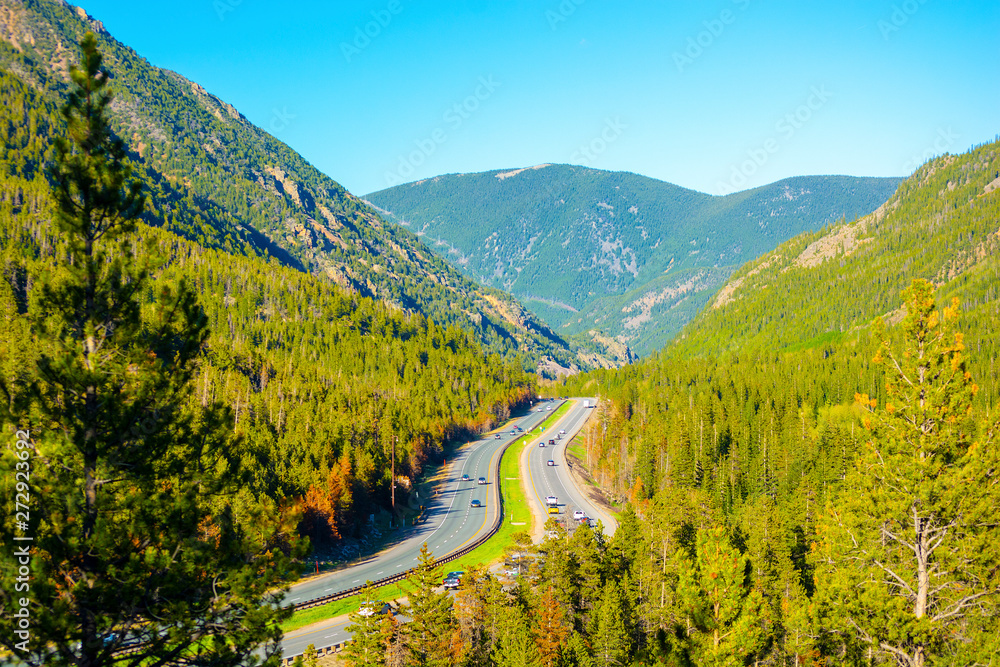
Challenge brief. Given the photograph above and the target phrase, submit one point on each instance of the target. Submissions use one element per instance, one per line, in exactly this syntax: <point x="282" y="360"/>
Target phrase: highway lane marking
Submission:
<point x="293" y="599"/>
<point x="355" y="581"/>
<point x="327" y="589"/>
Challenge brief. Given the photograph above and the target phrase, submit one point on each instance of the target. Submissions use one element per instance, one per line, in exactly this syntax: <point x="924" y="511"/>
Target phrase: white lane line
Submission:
<point x="293" y="599"/>
<point x="327" y="589"/>
<point x="355" y="581"/>
<point x="378" y="573"/>
<point x="335" y="634"/>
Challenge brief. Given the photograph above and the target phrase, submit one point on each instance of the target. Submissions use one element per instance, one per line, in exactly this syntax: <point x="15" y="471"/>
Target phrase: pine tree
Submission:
<point x="367" y="646"/>
<point x="515" y="647"/>
<point x="721" y="611"/>
<point x="612" y="632"/>
<point x="133" y="541"/>
<point x="428" y="634"/>
<point x="907" y="560"/>
<point x="551" y="627"/>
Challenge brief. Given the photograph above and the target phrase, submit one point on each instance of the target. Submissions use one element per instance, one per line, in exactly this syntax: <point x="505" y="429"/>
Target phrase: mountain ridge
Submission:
<point x="232" y="185"/>
<point x="565" y="238"/>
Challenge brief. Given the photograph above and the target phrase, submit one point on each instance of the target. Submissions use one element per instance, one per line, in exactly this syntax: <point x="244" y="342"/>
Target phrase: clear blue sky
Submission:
<point x="712" y="95"/>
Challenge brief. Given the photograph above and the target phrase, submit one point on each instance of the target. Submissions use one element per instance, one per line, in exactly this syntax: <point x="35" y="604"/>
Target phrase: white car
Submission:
<point x="551" y="501"/>
<point x="373" y="607"/>
<point x="579" y="514"/>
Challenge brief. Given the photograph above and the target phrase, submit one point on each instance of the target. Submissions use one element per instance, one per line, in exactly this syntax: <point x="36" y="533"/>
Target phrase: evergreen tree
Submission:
<point x="907" y="564"/>
<point x="429" y="632"/>
<point x="721" y="611"/>
<point x="551" y="629"/>
<point x="133" y="541"/>
<point x="612" y="632"/>
<point x="367" y="646"/>
<point x="515" y="647"/>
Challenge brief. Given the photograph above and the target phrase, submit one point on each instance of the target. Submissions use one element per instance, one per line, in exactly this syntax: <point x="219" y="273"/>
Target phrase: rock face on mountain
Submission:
<point x="630" y="255"/>
<point x="221" y="181"/>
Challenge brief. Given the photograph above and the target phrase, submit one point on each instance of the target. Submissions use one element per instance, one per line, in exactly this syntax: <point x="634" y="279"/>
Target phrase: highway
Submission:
<point x="556" y="480"/>
<point x="451" y="522"/>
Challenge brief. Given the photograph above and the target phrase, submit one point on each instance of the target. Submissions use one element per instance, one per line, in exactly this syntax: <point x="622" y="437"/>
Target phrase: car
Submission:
<point x="562" y="432"/>
<point x="452" y="582"/>
<point x="466" y="478"/>
<point x="552" y="442"/>
<point x="519" y="429"/>
<point x="593" y="523"/>
<point x="553" y="510"/>
<point x="482" y="480"/>
<point x="455" y="574"/>
<point x="551" y="500"/>
<point x="550" y="462"/>
<point x="497" y="436"/>
<point x="548" y="409"/>
<point x="475" y="503"/>
<point x="512" y="572"/>
<point x="541" y="444"/>
<point x="579" y="514"/>
<point x="373" y="607"/>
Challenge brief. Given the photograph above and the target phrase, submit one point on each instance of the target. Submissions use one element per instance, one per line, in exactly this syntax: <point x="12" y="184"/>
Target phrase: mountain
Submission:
<point x="783" y="416"/>
<point x="224" y="183"/>
<point x="318" y="379"/>
<point x="614" y="251"/>
<point x="942" y="224"/>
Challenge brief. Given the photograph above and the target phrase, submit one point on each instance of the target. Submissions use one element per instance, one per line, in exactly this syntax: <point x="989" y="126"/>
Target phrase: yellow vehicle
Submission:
<point x="553" y="510"/>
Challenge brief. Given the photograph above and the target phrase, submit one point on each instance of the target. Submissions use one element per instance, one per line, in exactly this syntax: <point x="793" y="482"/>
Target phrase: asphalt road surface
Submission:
<point x="556" y="480"/>
<point x="451" y="523"/>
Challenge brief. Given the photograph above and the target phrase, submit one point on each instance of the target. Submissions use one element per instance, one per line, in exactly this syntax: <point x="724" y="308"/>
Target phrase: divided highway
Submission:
<point x="451" y="522"/>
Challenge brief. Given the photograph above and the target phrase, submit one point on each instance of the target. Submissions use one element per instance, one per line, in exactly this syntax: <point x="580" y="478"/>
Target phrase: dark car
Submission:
<point x="452" y="582"/>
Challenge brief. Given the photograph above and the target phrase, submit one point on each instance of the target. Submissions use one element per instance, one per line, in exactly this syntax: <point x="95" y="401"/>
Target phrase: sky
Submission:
<point x="717" y="96"/>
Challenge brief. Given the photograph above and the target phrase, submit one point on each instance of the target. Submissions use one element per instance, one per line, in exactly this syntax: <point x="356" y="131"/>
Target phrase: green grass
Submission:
<point x="515" y="505"/>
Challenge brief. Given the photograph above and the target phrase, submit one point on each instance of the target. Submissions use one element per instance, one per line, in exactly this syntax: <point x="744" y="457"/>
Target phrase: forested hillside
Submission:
<point x="224" y="183"/>
<point x="321" y="380"/>
<point x="781" y="418"/>
<point x="622" y="253"/>
<point x="940" y="225"/>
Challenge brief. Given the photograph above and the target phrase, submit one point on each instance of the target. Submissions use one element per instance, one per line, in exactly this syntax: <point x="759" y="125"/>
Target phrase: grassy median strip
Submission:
<point x="516" y="511"/>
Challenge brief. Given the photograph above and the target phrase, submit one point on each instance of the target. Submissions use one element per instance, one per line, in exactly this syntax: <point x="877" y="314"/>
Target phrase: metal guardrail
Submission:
<point x="455" y="555"/>
<point x="327" y="599"/>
